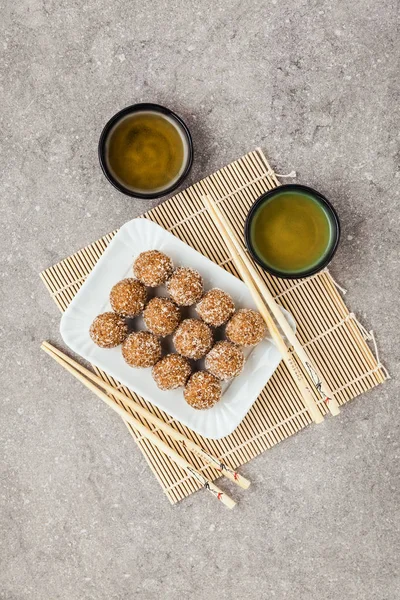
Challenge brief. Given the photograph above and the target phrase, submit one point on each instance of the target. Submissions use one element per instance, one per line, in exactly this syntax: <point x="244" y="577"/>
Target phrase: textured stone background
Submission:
<point x="316" y="84"/>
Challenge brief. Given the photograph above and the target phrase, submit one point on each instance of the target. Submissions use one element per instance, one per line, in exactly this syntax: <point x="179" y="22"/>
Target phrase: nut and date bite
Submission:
<point x="193" y="339"/>
<point x="246" y="328"/>
<point x="171" y="372"/>
<point x="153" y="268"/>
<point x="128" y="297"/>
<point x="141" y="349"/>
<point x="203" y="390"/>
<point x="215" y="307"/>
<point x="161" y="316"/>
<point x="108" y="330"/>
<point x="225" y="360"/>
<point x="185" y="286"/>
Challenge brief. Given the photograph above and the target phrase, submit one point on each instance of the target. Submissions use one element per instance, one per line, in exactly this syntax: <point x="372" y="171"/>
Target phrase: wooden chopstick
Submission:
<point x="287" y="356"/>
<point x="144" y="431"/>
<point x="317" y="379"/>
<point x="216" y="463"/>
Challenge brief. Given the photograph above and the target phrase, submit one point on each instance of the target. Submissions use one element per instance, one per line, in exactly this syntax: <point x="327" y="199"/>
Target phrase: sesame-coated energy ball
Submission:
<point x="185" y="286"/>
<point x="216" y="307"/>
<point x="246" y="327"/>
<point x="153" y="267"/>
<point x="225" y="360"/>
<point x="203" y="390"/>
<point x="161" y="316"/>
<point x="108" y="330"/>
<point x="128" y="297"/>
<point x="171" y="372"/>
<point x="193" y="338"/>
<point x="141" y="349"/>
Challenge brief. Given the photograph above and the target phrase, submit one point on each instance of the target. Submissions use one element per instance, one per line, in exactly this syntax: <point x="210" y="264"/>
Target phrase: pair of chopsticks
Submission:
<point x="94" y="383"/>
<point x="269" y="310"/>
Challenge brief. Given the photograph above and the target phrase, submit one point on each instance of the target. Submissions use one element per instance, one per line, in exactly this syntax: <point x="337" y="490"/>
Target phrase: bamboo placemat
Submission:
<point x="336" y="341"/>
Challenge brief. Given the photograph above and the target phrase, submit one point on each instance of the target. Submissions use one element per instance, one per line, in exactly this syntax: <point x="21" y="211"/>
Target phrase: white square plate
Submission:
<point x="92" y="299"/>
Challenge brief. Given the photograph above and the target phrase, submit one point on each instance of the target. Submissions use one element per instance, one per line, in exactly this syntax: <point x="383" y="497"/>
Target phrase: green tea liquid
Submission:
<point x="146" y="152"/>
<point x="291" y="232"/>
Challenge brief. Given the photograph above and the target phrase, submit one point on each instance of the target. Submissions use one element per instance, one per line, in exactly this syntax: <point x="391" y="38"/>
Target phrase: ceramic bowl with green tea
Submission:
<point x="292" y="231"/>
<point x="146" y="150"/>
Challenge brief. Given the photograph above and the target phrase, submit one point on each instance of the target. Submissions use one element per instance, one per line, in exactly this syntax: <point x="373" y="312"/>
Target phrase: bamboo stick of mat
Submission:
<point x="296" y="373"/>
<point x="144" y="432"/>
<point x="214" y="462"/>
<point x="317" y="379"/>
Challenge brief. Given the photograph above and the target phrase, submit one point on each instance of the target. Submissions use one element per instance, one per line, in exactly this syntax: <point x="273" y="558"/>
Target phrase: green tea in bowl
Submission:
<point x="292" y="231"/>
<point x="146" y="150"/>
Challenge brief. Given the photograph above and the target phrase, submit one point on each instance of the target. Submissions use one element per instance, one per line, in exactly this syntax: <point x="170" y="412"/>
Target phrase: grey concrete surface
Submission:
<point x="316" y="84"/>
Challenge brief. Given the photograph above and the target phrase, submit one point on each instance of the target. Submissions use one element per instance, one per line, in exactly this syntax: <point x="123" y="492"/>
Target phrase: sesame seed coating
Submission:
<point x="185" y="286"/>
<point x="203" y="390"/>
<point x="215" y="307"/>
<point x="128" y="297"/>
<point x="153" y="267"/>
<point x="193" y="338"/>
<point x="108" y="330"/>
<point x="141" y="349"/>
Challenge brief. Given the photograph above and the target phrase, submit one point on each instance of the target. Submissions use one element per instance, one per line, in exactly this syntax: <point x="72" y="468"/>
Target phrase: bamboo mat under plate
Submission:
<point x="329" y="331"/>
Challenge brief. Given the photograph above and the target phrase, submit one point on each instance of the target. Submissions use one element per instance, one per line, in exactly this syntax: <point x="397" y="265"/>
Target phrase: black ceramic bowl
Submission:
<point x="136" y="108"/>
<point x="329" y="210"/>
